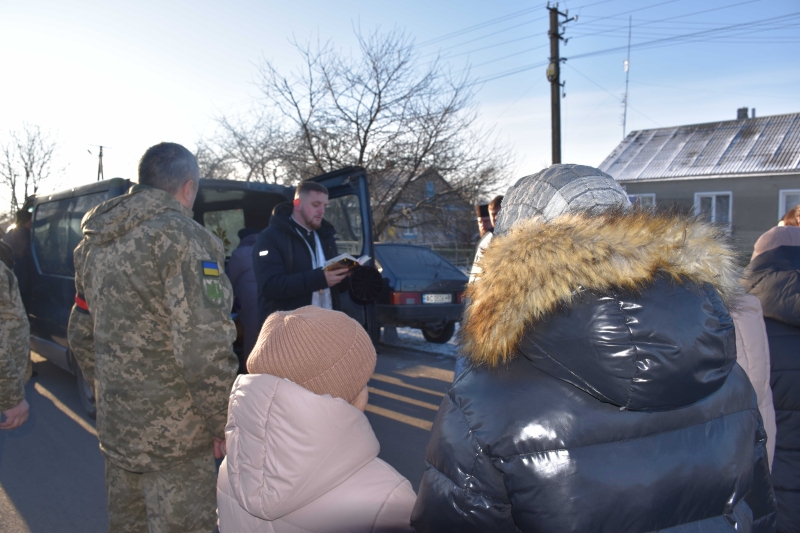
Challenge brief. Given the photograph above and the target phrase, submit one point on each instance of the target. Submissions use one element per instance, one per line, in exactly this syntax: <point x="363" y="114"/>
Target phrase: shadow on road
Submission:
<point x="51" y="469"/>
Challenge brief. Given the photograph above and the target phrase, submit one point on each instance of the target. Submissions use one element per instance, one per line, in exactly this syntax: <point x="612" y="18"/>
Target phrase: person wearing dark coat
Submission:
<point x="773" y="276"/>
<point x="289" y="254"/>
<point x="245" y="289"/>
<point x="602" y="392"/>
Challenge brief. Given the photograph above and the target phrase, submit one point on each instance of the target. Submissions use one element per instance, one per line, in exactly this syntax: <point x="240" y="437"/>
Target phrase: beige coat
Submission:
<point x="752" y="354"/>
<point x="299" y="462"/>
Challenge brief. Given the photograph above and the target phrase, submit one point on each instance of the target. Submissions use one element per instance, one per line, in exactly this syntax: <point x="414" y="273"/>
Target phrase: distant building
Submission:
<point x="743" y="174"/>
<point x="429" y="212"/>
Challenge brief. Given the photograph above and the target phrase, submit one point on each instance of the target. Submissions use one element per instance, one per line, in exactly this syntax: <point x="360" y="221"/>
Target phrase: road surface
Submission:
<point x="52" y="472"/>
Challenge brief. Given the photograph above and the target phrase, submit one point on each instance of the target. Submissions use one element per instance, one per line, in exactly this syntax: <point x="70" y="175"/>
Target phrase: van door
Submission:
<point x="350" y="213"/>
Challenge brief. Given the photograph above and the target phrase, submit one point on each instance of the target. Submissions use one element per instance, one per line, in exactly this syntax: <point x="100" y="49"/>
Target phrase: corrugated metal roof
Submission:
<point x="733" y="147"/>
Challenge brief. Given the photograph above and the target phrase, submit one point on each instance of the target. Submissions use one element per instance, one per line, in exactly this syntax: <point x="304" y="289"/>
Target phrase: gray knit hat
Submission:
<point x="557" y="190"/>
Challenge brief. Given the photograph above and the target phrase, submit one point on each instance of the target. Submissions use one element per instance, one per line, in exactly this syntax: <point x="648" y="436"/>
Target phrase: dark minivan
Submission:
<point x="222" y="206"/>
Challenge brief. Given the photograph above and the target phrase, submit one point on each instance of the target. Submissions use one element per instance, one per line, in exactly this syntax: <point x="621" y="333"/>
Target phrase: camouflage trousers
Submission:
<point x="182" y="499"/>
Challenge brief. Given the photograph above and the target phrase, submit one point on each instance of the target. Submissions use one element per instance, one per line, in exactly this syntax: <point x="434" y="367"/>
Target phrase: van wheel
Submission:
<point x="441" y="334"/>
<point x="85" y="391"/>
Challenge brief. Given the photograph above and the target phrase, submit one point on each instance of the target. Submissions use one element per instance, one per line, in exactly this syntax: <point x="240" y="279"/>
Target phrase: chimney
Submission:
<point x="741" y="113"/>
<point x="753" y="113"/>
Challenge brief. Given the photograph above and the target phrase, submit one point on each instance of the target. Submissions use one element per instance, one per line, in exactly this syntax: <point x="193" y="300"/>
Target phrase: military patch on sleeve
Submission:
<point x="212" y="290"/>
<point x="210" y="268"/>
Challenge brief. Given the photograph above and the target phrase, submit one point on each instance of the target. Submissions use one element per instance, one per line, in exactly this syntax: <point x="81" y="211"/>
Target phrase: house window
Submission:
<point x="430" y="189"/>
<point x="409" y="233"/>
<point x="647" y="201"/>
<point x="714" y="207"/>
<point x="789" y="199"/>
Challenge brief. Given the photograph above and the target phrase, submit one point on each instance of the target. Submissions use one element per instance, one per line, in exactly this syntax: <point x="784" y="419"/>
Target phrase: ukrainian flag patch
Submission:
<point x="210" y="268"/>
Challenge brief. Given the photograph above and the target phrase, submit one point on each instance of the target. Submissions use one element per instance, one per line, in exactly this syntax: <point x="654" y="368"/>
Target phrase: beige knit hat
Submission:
<point x="326" y="352"/>
<point x="776" y="237"/>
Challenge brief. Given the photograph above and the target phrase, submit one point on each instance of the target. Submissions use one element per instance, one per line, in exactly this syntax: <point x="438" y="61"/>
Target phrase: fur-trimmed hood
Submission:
<point x="540" y="267"/>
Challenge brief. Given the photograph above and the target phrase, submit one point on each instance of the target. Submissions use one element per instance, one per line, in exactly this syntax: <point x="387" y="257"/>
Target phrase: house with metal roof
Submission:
<point x="744" y="173"/>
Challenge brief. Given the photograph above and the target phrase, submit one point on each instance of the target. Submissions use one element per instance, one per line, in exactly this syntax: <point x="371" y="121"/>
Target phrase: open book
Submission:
<point x="345" y="261"/>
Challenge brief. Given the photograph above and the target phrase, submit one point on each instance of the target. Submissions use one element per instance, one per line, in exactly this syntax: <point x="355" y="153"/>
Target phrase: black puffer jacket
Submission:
<point x="285" y="274"/>
<point x="774" y="277"/>
<point x="604" y="394"/>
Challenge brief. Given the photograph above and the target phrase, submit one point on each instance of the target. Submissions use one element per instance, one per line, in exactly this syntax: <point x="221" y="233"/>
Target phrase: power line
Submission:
<point x="491" y="35"/>
<point x="578" y="23"/>
<point x="498" y="20"/>
<point x="508" y="73"/>
<point x="679" y="39"/>
<point x="495" y="60"/>
<point x="482" y="25"/>
<point x="647" y="23"/>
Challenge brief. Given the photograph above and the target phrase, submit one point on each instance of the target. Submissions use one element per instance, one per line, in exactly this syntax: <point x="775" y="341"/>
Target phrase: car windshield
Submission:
<point x="411" y="261"/>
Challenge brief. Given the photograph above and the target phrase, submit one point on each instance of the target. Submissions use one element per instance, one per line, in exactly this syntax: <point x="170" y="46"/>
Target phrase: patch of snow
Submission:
<point x="412" y="338"/>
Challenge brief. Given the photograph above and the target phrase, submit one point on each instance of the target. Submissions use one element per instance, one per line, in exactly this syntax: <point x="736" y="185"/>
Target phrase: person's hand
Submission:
<point x="220" y="448"/>
<point x="16" y="416"/>
<point x="335" y="276"/>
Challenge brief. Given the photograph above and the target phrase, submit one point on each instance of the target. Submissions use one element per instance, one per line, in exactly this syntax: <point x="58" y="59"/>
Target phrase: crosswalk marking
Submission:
<point x="406" y="399"/>
<point x="401" y="383"/>
<point x="425" y="371"/>
<point x="64" y="409"/>
<point x="410" y="420"/>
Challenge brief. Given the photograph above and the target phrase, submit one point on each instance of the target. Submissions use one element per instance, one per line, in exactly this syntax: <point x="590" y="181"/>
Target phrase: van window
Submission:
<point x="50" y="238"/>
<point x="226" y="226"/>
<point x="345" y="215"/>
<point x="57" y="231"/>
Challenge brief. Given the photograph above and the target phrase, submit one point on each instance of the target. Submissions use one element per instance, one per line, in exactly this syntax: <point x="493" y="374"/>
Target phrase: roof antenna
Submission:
<point x="627" y="74"/>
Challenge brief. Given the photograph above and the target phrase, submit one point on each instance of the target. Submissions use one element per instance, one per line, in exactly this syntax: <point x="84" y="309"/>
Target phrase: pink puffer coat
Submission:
<point x="752" y="354"/>
<point x="299" y="462"/>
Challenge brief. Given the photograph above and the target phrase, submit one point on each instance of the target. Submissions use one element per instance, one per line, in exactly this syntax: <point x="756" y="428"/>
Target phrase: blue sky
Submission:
<point x="130" y="74"/>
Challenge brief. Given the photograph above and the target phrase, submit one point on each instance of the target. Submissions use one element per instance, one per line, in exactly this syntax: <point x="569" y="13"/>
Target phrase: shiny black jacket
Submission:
<point x="285" y="274"/>
<point x="774" y="277"/>
<point x="604" y="394"/>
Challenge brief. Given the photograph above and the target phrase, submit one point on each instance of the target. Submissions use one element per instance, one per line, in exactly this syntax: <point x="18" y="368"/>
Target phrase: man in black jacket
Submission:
<point x="289" y="255"/>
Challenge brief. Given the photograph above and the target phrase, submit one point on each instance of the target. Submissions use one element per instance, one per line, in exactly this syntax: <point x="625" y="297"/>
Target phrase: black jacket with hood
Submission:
<point x="285" y="273"/>
<point x="603" y="393"/>
<point x="774" y="278"/>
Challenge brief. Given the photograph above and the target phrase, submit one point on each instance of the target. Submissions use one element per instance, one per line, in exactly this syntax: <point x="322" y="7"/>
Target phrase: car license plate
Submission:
<point x="437" y="298"/>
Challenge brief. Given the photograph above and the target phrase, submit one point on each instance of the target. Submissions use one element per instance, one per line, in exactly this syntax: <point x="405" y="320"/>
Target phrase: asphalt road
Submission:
<point x="52" y="472"/>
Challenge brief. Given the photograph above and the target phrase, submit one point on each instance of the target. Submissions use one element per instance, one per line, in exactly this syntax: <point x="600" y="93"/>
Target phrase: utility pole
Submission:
<point x="100" y="175"/>
<point x="100" y="165"/>
<point x="627" y="74"/>
<point x="554" y="77"/>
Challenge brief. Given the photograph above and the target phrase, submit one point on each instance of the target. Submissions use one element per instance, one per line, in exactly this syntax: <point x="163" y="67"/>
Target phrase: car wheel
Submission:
<point x="85" y="392"/>
<point x="441" y="334"/>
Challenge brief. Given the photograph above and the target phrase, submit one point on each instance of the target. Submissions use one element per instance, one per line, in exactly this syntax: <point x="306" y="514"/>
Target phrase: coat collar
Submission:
<point x="539" y="266"/>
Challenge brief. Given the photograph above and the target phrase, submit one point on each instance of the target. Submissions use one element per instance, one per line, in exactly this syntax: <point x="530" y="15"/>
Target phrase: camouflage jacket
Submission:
<point x="14" y="341"/>
<point x="151" y="328"/>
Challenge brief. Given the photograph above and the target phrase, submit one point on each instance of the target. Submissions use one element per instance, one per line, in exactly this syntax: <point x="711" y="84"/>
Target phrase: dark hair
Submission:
<point x="167" y="166"/>
<point x="790" y="218"/>
<point x="22" y="216"/>
<point x="496" y="202"/>
<point x="306" y="187"/>
<point x="482" y="210"/>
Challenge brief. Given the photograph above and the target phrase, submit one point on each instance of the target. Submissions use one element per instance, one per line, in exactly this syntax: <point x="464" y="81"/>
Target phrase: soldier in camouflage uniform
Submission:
<point x="15" y="338"/>
<point x="151" y="329"/>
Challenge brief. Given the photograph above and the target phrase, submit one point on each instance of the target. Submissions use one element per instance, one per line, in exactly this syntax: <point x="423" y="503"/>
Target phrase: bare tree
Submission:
<point x="35" y="152"/>
<point x="26" y="162"/>
<point x="9" y="175"/>
<point x="383" y="109"/>
<point x="385" y="112"/>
